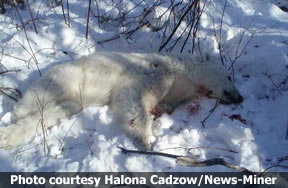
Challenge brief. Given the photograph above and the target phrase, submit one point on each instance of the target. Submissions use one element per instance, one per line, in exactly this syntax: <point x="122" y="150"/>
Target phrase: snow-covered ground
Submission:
<point x="253" y="135"/>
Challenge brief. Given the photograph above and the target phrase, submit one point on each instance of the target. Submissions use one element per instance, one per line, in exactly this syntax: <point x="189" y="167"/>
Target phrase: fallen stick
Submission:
<point x="190" y="161"/>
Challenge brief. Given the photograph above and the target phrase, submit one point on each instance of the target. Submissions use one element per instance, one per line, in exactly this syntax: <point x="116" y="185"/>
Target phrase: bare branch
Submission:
<point x="12" y="93"/>
<point x="68" y="13"/>
<point x="178" y="24"/>
<point x="32" y="18"/>
<point x="28" y="42"/>
<point x="126" y="151"/>
<point x="83" y="121"/>
<point x="88" y="17"/>
<point x="63" y="12"/>
<point x="189" y="161"/>
<point x="210" y="112"/>
<point x="98" y="13"/>
<point x="128" y="34"/>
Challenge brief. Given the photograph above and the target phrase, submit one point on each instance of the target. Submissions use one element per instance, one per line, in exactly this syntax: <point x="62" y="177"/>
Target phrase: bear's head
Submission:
<point x="212" y="79"/>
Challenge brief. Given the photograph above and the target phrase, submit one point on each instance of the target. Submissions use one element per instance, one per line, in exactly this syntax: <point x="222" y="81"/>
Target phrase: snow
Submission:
<point x="252" y="135"/>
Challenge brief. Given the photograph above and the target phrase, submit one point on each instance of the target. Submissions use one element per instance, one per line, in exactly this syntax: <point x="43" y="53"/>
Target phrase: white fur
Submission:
<point x="132" y="84"/>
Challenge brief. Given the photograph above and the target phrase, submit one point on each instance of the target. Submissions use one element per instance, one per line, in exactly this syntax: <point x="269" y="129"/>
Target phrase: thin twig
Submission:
<point x="88" y="17"/>
<point x="221" y="22"/>
<point x="196" y="28"/>
<point x="32" y="18"/>
<point x="28" y="148"/>
<point x="68" y="13"/>
<point x="172" y="13"/>
<point x="8" y="71"/>
<point x="83" y="121"/>
<point x="189" y="33"/>
<point x="190" y="162"/>
<point x="281" y="159"/>
<point x="98" y="13"/>
<point x="63" y="12"/>
<point x="33" y="55"/>
<point x="179" y="38"/>
<point x="237" y="53"/>
<point x="210" y="112"/>
<point x="5" y="91"/>
<point x="41" y="109"/>
<point x="66" y="134"/>
<point x="274" y="166"/>
<point x="18" y="58"/>
<point x="2" y="54"/>
<point x="220" y="34"/>
<point x="219" y="37"/>
<point x="128" y="33"/>
<point x="176" y="27"/>
<point x="42" y="104"/>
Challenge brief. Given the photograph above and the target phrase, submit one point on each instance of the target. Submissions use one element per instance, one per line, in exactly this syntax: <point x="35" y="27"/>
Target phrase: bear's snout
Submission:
<point x="231" y="98"/>
<point x="240" y="99"/>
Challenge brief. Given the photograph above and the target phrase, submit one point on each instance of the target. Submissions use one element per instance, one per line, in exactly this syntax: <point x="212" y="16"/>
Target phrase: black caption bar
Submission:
<point x="139" y="179"/>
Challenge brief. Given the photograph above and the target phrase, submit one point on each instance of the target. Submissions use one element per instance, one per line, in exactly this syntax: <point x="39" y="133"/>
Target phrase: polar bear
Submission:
<point x="134" y="86"/>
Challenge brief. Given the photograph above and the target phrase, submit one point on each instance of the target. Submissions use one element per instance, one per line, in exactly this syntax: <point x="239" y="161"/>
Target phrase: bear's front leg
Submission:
<point x="131" y="108"/>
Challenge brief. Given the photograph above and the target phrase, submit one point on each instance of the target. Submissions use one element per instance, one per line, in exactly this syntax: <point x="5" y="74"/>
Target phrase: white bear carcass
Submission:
<point x="133" y="85"/>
